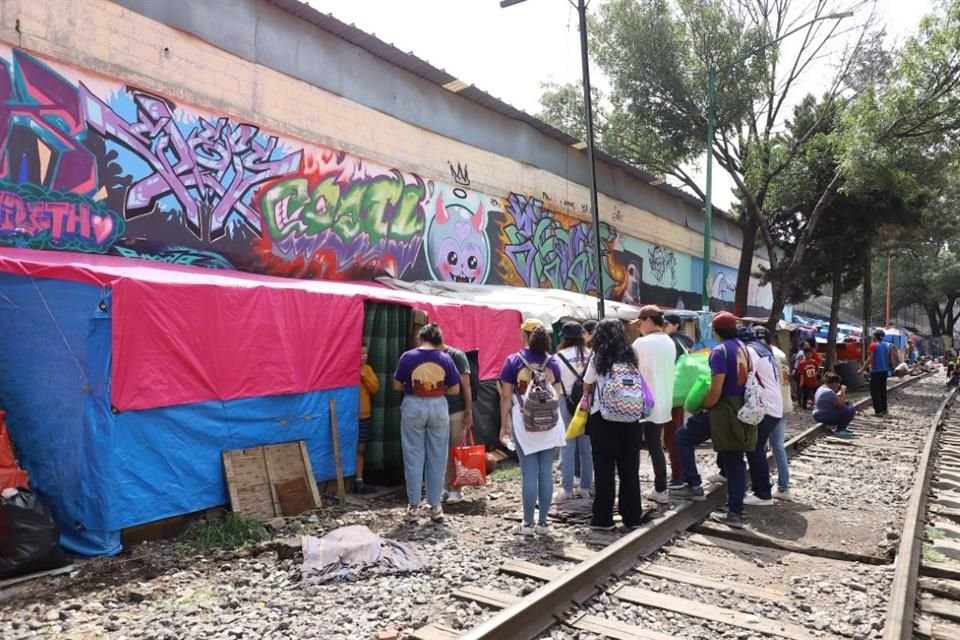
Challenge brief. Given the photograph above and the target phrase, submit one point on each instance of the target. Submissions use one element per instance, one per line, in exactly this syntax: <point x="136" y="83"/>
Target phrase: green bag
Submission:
<point x="697" y="395"/>
<point x="690" y="368"/>
<point x="727" y="431"/>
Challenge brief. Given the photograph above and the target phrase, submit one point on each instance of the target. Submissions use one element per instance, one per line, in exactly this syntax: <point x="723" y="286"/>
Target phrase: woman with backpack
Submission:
<point x="573" y="356"/>
<point x="530" y="417"/>
<point x="616" y="443"/>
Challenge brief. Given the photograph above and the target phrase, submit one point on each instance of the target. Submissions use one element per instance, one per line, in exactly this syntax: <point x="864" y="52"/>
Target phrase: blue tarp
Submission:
<point x="103" y="472"/>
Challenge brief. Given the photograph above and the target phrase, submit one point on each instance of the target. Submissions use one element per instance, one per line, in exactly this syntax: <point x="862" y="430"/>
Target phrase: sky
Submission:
<point x="509" y="52"/>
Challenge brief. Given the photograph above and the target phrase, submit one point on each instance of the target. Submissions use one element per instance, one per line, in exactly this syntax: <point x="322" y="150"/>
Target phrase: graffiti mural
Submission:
<point x="93" y="165"/>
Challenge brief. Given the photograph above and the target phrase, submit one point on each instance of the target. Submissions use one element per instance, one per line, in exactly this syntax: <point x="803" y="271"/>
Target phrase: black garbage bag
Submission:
<point x="29" y="541"/>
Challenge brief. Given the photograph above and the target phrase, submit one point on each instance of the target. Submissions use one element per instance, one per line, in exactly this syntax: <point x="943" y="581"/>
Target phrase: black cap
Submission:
<point x="672" y="318"/>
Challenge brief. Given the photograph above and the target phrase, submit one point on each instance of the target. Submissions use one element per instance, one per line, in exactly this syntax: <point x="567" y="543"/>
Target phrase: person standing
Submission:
<point x="808" y="370"/>
<point x="460" y="408"/>
<point x="729" y="366"/>
<point x="534" y="448"/>
<point x="656" y="360"/>
<point x="425" y="375"/>
<point x="767" y="369"/>
<point x="573" y="356"/>
<point x="683" y="344"/>
<point x="832" y="407"/>
<point x="880" y="362"/>
<point x="616" y="445"/>
<point x="778" y="435"/>
<point x="369" y="386"/>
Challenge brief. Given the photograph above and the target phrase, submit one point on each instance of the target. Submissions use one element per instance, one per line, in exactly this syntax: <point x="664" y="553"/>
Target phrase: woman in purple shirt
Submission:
<point x="425" y="375"/>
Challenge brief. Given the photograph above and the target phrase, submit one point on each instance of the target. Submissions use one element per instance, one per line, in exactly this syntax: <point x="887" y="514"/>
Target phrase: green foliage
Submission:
<point x="232" y="531"/>
<point x="562" y="106"/>
<point x="932" y="555"/>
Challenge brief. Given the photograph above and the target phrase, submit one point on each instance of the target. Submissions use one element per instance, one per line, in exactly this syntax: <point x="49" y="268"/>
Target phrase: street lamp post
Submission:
<point x="588" y="112"/>
<point x="712" y="72"/>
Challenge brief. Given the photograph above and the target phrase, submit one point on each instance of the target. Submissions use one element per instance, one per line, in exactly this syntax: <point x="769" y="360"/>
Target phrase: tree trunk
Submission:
<point x="748" y="227"/>
<point x="779" y="302"/>
<point x="933" y="315"/>
<point x="834" y="317"/>
<point x="867" y="303"/>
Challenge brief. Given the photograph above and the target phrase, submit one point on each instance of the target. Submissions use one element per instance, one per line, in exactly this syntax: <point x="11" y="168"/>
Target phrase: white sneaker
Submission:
<point x="581" y="493"/>
<point x="542" y="530"/>
<point x="525" y="530"/>
<point x="660" y="497"/>
<point x="782" y="494"/>
<point x="412" y="514"/>
<point x="756" y="501"/>
<point x="563" y="496"/>
<point x="716" y="478"/>
<point x="454" y="496"/>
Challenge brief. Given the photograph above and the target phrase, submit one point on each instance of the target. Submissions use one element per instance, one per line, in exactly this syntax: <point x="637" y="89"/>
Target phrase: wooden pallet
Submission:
<point x="272" y="480"/>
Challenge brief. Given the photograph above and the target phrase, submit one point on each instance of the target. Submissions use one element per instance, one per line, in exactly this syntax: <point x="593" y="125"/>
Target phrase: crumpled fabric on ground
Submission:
<point x="354" y="553"/>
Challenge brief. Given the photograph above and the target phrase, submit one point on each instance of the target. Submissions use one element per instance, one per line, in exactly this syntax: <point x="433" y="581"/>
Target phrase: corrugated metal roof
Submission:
<point x="419" y="67"/>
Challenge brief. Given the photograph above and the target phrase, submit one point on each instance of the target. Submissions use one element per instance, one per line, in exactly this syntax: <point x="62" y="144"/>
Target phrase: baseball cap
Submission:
<point x="672" y="318"/>
<point x="649" y="311"/>
<point x="724" y="320"/>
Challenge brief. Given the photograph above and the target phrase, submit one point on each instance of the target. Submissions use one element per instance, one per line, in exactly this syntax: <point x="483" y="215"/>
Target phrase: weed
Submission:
<point x="936" y="534"/>
<point x="232" y="531"/>
<point x="506" y="471"/>
<point x="932" y="555"/>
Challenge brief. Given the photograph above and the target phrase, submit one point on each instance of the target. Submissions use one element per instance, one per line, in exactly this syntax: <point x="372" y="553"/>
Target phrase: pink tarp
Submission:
<point x="188" y="334"/>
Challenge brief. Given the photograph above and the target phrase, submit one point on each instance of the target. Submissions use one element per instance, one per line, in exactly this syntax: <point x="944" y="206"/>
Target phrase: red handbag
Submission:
<point x="469" y="463"/>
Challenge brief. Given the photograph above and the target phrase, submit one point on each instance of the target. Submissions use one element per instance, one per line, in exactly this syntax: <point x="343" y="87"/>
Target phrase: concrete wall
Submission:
<point x="234" y="134"/>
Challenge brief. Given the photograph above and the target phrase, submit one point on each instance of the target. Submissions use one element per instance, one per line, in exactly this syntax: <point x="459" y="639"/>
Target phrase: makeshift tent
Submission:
<point x="123" y="380"/>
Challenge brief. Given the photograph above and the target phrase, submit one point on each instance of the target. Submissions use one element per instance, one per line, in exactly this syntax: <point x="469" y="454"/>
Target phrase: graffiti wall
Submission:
<point x="91" y="165"/>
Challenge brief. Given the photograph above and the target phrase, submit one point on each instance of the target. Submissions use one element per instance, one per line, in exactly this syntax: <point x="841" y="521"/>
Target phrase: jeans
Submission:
<point x="777" y="437"/>
<point x="425" y="440"/>
<point x="651" y="440"/>
<point x="807" y="393"/>
<point x="840" y="417"/>
<point x="736" y="472"/>
<point x="536" y="483"/>
<point x="878" y="391"/>
<point x="669" y="438"/>
<point x="576" y="450"/>
<point x="757" y="459"/>
<point x="695" y="431"/>
<point x="616" y="453"/>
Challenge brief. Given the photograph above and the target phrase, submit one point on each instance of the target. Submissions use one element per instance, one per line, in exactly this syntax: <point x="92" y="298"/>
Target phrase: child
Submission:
<point x="369" y="386"/>
<point x="809" y="378"/>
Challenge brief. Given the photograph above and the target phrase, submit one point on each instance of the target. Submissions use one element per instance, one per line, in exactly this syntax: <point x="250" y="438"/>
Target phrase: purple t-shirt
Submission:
<point x="730" y="358"/>
<point x="426" y="373"/>
<point x="514" y="372"/>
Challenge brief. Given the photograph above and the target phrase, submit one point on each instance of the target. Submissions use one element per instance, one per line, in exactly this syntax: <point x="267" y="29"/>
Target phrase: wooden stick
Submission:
<point x="335" y="433"/>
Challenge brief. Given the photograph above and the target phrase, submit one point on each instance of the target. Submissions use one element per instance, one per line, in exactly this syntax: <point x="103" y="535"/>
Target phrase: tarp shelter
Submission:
<point x="124" y="380"/>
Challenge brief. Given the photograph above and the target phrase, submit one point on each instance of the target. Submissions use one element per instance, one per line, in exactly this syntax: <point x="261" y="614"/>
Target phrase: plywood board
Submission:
<point x="272" y="480"/>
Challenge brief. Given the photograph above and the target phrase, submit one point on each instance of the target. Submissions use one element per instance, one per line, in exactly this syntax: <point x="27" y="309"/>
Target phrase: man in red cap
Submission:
<point x="729" y="367"/>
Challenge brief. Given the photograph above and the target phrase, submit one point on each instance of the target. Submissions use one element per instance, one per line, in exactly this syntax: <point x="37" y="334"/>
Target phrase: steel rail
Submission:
<point x="903" y="589"/>
<point x="538" y="611"/>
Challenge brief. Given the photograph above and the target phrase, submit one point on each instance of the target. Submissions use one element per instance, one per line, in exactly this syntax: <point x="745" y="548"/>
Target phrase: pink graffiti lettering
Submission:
<point x="61" y="224"/>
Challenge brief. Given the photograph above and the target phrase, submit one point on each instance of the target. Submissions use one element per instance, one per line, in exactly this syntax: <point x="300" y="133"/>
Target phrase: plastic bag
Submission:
<point x="690" y="368"/>
<point x="578" y="423"/>
<point x="29" y="541"/>
<point x="697" y="395"/>
<point x="469" y="463"/>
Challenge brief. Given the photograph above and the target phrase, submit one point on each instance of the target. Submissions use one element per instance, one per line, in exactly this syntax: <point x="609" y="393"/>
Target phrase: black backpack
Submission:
<point x="573" y="396"/>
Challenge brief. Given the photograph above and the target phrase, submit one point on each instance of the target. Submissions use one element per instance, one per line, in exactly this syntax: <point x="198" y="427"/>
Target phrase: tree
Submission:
<point x="562" y="106"/>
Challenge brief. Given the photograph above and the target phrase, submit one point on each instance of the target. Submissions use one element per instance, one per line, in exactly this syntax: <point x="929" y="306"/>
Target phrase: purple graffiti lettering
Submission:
<point x="211" y="171"/>
<point x="54" y="223"/>
<point x="45" y="109"/>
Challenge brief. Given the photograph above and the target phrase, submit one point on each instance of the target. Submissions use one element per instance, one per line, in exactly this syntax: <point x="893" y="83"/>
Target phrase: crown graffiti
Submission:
<point x="460" y="174"/>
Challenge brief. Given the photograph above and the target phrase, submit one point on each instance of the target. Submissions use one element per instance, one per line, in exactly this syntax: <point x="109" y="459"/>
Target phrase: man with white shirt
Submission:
<point x="656" y="357"/>
<point x="764" y="363"/>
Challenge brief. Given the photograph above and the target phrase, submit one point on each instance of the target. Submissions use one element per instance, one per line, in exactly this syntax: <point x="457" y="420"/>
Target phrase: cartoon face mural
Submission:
<point x="457" y="245"/>
<point x="94" y="165"/>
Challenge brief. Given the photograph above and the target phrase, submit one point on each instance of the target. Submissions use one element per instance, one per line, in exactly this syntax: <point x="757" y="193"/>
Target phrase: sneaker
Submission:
<point x="412" y="513"/>
<point x="660" y="497"/>
<point x="563" y="496"/>
<point x="453" y="496"/>
<point x="689" y="493"/>
<point x="843" y="433"/>
<point x="542" y="530"/>
<point x="363" y="489"/>
<point x="731" y="519"/>
<point x="717" y="478"/>
<point x="756" y="501"/>
<point x="782" y="494"/>
<point x="601" y="527"/>
<point x="525" y="530"/>
<point x="436" y="513"/>
<point x="581" y="493"/>
<point x="673" y="485"/>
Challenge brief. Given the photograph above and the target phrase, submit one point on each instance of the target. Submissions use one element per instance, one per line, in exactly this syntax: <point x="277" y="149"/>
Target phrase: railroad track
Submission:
<point x="817" y="567"/>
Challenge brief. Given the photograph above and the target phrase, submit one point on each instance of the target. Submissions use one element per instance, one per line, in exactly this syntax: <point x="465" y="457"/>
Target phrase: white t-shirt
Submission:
<point x="567" y="377"/>
<point x="592" y="377"/>
<point x="656" y="359"/>
<point x="785" y="393"/>
<point x="768" y="372"/>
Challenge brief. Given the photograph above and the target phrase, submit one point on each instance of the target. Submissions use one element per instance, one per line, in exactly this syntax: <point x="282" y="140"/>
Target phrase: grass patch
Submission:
<point x="936" y="534"/>
<point x="232" y="531"/>
<point x="932" y="555"/>
<point x="506" y="470"/>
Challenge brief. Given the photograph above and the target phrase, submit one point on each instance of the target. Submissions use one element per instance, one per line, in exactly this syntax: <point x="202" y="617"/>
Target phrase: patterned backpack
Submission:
<point x="539" y="405"/>
<point x="625" y="396"/>
<point x="752" y="411"/>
